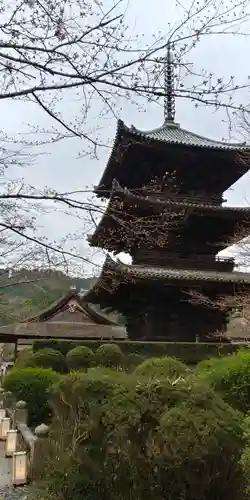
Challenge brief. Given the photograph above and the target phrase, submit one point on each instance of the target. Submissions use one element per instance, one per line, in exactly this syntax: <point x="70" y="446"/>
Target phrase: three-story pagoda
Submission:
<point x="165" y="190"/>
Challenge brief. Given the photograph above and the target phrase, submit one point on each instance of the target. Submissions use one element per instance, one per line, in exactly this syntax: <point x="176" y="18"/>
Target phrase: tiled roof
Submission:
<point x="50" y="312"/>
<point x="69" y="331"/>
<point x="113" y="216"/>
<point x="162" y="273"/>
<point x="126" y="193"/>
<point x="172" y="133"/>
<point x="168" y="134"/>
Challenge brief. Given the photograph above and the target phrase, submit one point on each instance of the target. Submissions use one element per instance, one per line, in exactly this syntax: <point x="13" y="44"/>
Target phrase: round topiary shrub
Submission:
<point x="32" y="385"/>
<point x="49" y="358"/>
<point x="80" y="358"/>
<point x="230" y="376"/>
<point x="162" y="367"/>
<point x="175" y="440"/>
<point x="109" y="355"/>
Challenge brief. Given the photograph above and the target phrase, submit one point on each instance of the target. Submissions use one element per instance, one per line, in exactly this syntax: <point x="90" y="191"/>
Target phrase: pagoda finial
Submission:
<point x="169" y="100"/>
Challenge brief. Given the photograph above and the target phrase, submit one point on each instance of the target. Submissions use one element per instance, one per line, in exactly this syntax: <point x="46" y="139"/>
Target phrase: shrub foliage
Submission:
<point x="109" y="355"/>
<point x="23" y="358"/>
<point x="162" y="367"/>
<point x="230" y="376"/>
<point x="64" y="346"/>
<point x="129" y="435"/>
<point x="32" y="385"/>
<point x="48" y="358"/>
<point x="80" y="358"/>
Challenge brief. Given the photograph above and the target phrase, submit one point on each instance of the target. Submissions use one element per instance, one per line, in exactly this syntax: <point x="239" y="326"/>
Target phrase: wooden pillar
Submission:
<point x="16" y="350"/>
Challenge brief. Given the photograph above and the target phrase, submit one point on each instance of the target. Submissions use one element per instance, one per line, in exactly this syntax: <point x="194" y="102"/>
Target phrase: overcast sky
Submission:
<point x="60" y="169"/>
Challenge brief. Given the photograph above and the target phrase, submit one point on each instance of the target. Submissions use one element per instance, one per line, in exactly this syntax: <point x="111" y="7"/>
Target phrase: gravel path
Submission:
<point x="10" y="493"/>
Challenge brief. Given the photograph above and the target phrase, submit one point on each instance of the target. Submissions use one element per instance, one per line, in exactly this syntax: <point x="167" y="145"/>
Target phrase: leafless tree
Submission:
<point x="49" y="48"/>
<point x="55" y="50"/>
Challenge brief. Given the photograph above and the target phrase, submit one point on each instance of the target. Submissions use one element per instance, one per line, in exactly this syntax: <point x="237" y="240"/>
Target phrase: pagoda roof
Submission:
<point x="112" y="214"/>
<point x="126" y="194"/>
<point x="116" y="271"/>
<point x="163" y="273"/>
<point x="70" y="303"/>
<point x="172" y="133"/>
<point x="169" y="134"/>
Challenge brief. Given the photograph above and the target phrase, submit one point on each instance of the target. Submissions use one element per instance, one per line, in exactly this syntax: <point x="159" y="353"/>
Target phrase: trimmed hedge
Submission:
<point x="245" y="458"/>
<point x="162" y="367"/>
<point x="188" y="352"/>
<point x="109" y="355"/>
<point x="80" y="357"/>
<point x="63" y="346"/>
<point x="129" y="435"/>
<point x="230" y="376"/>
<point x="48" y="358"/>
<point x="32" y="385"/>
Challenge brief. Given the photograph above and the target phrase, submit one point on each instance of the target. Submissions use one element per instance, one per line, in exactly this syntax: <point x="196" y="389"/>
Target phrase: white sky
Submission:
<point x="60" y="168"/>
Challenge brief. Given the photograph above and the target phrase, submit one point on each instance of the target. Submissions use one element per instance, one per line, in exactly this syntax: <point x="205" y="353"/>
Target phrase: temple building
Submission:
<point x="165" y="189"/>
<point x="69" y="317"/>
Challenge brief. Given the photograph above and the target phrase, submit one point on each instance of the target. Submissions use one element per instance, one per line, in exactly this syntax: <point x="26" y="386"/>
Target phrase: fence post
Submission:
<point x="2" y="397"/>
<point x="8" y="400"/>
<point x="21" y="413"/>
<point x="41" y="434"/>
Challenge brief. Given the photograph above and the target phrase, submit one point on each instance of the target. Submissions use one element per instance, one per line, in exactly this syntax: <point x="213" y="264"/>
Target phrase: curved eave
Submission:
<point x="109" y="172"/>
<point x="156" y="138"/>
<point x="110" y="217"/>
<point x="104" y="283"/>
<point x="160" y="204"/>
<point x="101" y="237"/>
<point x="181" y="136"/>
<point x="162" y="273"/>
<point x="116" y="272"/>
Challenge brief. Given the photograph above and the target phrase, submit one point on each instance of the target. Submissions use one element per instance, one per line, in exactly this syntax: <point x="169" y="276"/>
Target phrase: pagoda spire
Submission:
<point x="169" y="99"/>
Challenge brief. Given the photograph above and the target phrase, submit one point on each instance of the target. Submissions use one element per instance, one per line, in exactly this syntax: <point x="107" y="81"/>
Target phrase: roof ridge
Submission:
<point x="171" y="126"/>
<point x="177" y="271"/>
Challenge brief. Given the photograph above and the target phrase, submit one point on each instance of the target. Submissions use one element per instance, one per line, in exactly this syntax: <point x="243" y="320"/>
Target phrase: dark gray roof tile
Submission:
<point x="161" y="273"/>
<point x="172" y="133"/>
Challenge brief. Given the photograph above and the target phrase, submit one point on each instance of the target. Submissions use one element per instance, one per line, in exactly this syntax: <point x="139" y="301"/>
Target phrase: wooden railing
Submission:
<point x="28" y="442"/>
<point x="162" y="258"/>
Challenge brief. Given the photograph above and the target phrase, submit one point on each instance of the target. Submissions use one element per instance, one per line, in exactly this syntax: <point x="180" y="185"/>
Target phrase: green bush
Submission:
<point x="80" y="357"/>
<point x="63" y="346"/>
<point x="188" y="352"/>
<point x="245" y="458"/>
<point x="32" y="385"/>
<point x="49" y="358"/>
<point x="129" y="436"/>
<point x="230" y="376"/>
<point x="130" y="361"/>
<point x="23" y="358"/>
<point x="162" y="367"/>
<point x="109" y="355"/>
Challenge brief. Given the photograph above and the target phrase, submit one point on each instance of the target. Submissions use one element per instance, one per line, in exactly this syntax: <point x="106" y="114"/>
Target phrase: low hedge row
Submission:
<point x="188" y="352"/>
<point x="80" y="358"/>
